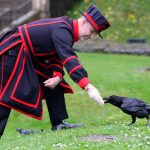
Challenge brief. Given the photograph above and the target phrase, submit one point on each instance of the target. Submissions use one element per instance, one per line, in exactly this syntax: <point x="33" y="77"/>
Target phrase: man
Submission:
<point x="29" y="51"/>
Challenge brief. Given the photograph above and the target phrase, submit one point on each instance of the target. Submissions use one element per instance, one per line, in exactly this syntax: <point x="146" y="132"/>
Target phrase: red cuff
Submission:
<point x="83" y="82"/>
<point x="55" y="73"/>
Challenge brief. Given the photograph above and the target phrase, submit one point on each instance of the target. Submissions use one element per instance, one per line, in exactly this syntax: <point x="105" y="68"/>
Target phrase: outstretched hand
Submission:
<point x="94" y="94"/>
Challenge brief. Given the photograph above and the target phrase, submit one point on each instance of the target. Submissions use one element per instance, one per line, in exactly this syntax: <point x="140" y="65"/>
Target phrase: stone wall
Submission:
<point x="11" y="11"/>
<point x="98" y="45"/>
<point x="17" y="12"/>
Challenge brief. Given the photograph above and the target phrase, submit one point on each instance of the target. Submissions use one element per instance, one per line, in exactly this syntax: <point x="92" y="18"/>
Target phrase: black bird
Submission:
<point x="131" y="106"/>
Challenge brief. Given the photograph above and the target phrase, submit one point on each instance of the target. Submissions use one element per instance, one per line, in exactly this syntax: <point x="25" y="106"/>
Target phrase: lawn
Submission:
<point x="128" y="19"/>
<point x="112" y="74"/>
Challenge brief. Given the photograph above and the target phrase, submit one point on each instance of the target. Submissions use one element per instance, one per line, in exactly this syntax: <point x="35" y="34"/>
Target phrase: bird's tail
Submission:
<point x="148" y="108"/>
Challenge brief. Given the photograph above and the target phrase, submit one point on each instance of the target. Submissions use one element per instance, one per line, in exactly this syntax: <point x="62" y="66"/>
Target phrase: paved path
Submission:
<point x="99" y="45"/>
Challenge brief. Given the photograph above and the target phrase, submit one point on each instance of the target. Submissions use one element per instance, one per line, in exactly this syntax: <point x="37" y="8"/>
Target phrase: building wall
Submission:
<point x="59" y="7"/>
<point x="17" y="12"/>
<point x="42" y="6"/>
<point x="53" y="8"/>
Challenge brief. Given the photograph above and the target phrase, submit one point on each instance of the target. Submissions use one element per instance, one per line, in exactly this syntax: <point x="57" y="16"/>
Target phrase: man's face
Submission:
<point x="86" y="31"/>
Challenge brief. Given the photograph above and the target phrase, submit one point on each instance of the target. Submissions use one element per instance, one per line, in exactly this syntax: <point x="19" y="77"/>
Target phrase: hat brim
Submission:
<point x="91" y="24"/>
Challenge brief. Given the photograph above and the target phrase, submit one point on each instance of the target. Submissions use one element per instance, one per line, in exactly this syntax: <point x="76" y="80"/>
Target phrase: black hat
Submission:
<point x="96" y="19"/>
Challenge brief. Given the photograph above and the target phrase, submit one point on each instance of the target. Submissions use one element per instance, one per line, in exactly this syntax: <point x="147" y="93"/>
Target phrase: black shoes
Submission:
<point x="61" y="126"/>
<point x="66" y="125"/>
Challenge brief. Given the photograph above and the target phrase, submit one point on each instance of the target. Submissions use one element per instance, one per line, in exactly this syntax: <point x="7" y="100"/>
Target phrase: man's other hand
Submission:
<point x="52" y="82"/>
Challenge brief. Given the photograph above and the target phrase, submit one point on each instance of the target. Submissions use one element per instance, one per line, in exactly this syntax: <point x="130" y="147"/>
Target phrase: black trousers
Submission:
<point x="4" y="115"/>
<point x="56" y="104"/>
<point x="54" y="99"/>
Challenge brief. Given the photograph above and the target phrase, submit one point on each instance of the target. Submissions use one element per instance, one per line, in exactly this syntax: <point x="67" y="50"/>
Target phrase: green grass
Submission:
<point x="128" y="18"/>
<point x="111" y="74"/>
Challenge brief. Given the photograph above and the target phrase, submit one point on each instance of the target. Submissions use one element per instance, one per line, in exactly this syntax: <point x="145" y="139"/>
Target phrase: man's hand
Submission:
<point x="94" y="94"/>
<point x="52" y="82"/>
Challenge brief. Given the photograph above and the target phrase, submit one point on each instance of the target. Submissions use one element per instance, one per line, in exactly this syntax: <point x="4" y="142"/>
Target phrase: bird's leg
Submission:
<point x="133" y="120"/>
<point x="147" y="124"/>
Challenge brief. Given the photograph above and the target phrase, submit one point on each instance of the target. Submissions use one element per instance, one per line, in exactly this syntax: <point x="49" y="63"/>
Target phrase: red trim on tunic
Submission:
<point x="29" y="40"/>
<point x="20" y="74"/>
<point x="92" y="21"/>
<point x="56" y="65"/>
<point x="51" y="65"/>
<point x="57" y="60"/>
<point x="70" y="90"/>
<point x="39" y="118"/>
<point x="1" y="86"/>
<point x="12" y="45"/>
<point x="23" y="40"/>
<point x="56" y="73"/>
<point x="15" y="87"/>
<point x="41" y="74"/>
<point x="67" y="59"/>
<point x="75" y="30"/>
<point x="17" y="34"/>
<point x="83" y="82"/>
<point x="43" y="65"/>
<point x="13" y="72"/>
<point x="74" y="69"/>
<point x="47" y="23"/>
<point x="31" y="46"/>
<point x="46" y="54"/>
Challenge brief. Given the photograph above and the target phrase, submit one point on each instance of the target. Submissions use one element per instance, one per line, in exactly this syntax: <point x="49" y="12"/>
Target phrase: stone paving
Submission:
<point x="100" y="45"/>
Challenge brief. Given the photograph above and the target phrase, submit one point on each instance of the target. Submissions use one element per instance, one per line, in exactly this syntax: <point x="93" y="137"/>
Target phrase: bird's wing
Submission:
<point x="127" y="109"/>
<point x="132" y="105"/>
<point x="134" y="102"/>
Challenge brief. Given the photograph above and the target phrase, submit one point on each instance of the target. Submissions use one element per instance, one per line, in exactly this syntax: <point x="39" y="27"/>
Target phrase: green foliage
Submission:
<point x="129" y="19"/>
<point x="111" y="74"/>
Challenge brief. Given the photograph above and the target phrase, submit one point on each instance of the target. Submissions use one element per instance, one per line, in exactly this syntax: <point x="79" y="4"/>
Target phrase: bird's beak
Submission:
<point x="105" y="99"/>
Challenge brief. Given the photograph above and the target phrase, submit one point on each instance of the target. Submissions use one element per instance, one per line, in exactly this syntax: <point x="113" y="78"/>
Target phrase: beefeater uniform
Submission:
<point x="39" y="45"/>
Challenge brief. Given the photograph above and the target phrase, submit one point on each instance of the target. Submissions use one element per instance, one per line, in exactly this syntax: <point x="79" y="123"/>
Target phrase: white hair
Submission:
<point x="82" y="18"/>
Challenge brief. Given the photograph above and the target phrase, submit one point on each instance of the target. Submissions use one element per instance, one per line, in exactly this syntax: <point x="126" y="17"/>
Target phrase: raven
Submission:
<point x="131" y="106"/>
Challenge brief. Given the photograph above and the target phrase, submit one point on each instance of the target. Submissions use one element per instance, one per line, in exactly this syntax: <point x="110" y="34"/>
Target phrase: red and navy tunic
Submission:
<point x="42" y="45"/>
